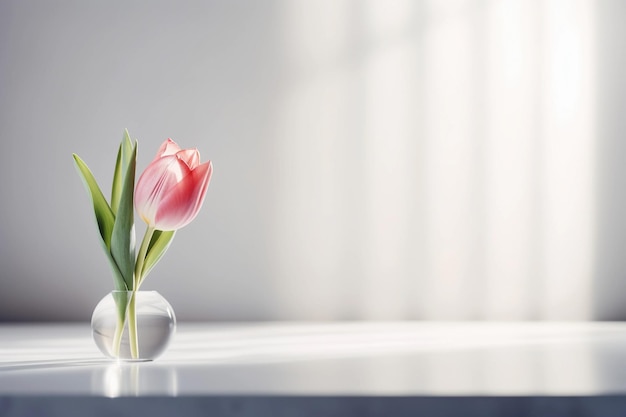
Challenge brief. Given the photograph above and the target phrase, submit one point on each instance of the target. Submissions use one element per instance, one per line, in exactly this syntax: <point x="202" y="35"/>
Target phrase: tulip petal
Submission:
<point x="190" y="156"/>
<point x="181" y="204"/>
<point x="154" y="184"/>
<point x="169" y="147"/>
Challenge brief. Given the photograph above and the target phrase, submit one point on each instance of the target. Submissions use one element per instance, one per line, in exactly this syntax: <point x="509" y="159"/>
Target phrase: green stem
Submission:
<point x="117" y="337"/>
<point x="143" y="251"/>
<point x="132" y="327"/>
<point x="137" y="279"/>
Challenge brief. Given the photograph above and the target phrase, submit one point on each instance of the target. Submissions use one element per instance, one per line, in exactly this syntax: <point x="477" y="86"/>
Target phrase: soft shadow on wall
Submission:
<point x="438" y="160"/>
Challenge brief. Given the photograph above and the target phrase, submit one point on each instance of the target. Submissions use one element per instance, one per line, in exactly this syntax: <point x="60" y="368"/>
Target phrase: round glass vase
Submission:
<point x="133" y="325"/>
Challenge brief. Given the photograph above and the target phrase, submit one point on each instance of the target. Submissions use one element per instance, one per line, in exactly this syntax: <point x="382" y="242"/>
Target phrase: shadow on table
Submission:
<point x="50" y="364"/>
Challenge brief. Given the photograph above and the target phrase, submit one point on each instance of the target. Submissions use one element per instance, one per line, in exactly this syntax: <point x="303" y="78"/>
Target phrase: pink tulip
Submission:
<point x="171" y="190"/>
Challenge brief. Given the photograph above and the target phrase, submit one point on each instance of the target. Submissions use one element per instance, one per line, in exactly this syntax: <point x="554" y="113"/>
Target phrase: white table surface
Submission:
<point x="325" y="360"/>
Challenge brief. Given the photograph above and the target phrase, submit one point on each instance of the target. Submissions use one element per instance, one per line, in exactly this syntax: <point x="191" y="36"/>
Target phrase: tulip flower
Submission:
<point x="171" y="190"/>
<point x="167" y="196"/>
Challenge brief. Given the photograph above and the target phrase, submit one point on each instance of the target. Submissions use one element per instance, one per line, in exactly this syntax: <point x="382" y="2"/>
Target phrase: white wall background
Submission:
<point x="456" y="159"/>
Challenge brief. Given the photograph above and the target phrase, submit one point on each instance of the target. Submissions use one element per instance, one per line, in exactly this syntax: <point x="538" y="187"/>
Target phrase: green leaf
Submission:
<point x="122" y="300"/>
<point x="159" y="244"/>
<point x="118" y="278"/>
<point x="123" y="235"/>
<point x="124" y="154"/>
<point x="104" y="216"/>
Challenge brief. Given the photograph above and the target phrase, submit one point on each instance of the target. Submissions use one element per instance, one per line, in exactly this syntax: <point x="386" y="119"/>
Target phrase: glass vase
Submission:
<point x="133" y="325"/>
